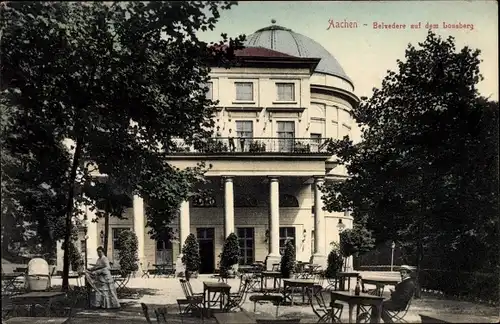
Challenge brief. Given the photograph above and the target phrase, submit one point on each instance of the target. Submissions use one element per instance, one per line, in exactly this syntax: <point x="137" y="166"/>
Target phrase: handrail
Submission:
<point x="255" y="145"/>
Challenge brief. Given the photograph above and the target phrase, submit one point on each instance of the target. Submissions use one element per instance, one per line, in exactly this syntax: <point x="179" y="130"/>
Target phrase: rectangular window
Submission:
<point x="210" y="94"/>
<point x="246" y="240"/>
<point x="286" y="233"/>
<point x="244" y="91"/>
<point x="286" y="135"/>
<point x="82" y="244"/>
<point x="286" y="91"/>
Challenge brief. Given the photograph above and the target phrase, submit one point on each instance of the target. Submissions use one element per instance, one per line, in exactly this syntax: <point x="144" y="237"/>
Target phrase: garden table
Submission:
<point x="380" y="284"/>
<point x="276" y="275"/>
<point x="42" y="298"/>
<point x="346" y="276"/>
<point x="362" y="299"/>
<point x="215" y="287"/>
<point x="289" y="286"/>
<point x="163" y="269"/>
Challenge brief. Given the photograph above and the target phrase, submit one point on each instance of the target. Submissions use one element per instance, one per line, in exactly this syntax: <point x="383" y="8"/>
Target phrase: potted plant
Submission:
<point x="300" y="147"/>
<point x="191" y="256"/>
<point x="288" y="260"/>
<point x="230" y="255"/>
<point x="127" y="252"/>
<point x="335" y="262"/>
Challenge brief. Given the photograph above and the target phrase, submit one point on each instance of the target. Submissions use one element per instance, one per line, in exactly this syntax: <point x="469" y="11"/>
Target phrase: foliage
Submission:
<point x="32" y="202"/>
<point x="335" y="262"/>
<point x="191" y="254"/>
<point x="127" y="251"/>
<point x="422" y="174"/>
<point x="288" y="259"/>
<point x="355" y="240"/>
<point x="230" y="253"/>
<point x="118" y="82"/>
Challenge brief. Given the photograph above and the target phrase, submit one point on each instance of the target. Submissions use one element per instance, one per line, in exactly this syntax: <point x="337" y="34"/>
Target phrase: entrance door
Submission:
<point x="205" y="237"/>
<point x="164" y="252"/>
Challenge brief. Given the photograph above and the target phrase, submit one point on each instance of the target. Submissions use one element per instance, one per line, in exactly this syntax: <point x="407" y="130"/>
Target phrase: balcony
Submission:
<point x="255" y="145"/>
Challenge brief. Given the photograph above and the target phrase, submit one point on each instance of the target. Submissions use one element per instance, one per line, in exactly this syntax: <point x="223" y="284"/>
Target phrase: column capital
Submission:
<point x="228" y="178"/>
<point x="273" y="178"/>
<point x="319" y="178"/>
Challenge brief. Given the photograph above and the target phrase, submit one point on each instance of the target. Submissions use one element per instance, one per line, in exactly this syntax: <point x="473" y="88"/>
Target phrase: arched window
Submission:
<point x="204" y="201"/>
<point x="288" y="201"/>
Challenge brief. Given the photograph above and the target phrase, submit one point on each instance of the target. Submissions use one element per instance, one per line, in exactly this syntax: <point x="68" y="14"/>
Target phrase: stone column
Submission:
<point x="184" y="230"/>
<point x="93" y="241"/>
<point x="274" y="223"/>
<point x="228" y="206"/>
<point x="319" y="256"/>
<point x="139" y="226"/>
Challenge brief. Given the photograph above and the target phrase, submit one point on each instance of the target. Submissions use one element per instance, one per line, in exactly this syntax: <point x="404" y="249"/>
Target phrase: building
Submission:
<point x="274" y="112"/>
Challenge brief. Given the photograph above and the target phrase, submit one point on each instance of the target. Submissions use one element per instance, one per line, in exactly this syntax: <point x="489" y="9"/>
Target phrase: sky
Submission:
<point x="366" y="53"/>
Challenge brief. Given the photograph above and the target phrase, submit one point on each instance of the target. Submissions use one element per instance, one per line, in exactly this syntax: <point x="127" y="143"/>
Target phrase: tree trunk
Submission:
<point x="106" y="233"/>
<point x="69" y="213"/>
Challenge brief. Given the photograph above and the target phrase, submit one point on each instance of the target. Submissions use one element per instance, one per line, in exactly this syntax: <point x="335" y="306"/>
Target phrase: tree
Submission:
<point x="230" y="253"/>
<point x="356" y="240"/>
<point x="422" y="174"/>
<point x="127" y="246"/>
<point x="287" y="265"/>
<point x="119" y="81"/>
<point x="191" y="255"/>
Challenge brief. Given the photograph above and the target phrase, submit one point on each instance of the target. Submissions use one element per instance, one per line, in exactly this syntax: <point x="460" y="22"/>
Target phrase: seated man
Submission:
<point x="401" y="295"/>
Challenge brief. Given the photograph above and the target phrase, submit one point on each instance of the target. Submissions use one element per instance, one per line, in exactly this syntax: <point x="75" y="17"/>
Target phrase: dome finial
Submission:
<point x="273" y="21"/>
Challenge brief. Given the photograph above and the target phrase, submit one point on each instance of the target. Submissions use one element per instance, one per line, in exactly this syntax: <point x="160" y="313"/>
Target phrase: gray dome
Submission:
<point x="287" y="41"/>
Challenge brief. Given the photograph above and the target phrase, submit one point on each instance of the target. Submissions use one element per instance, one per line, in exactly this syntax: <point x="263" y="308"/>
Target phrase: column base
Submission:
<point x="272" y="259"/>
<point x="179" y="266"/>
<point x="320" y="260"/>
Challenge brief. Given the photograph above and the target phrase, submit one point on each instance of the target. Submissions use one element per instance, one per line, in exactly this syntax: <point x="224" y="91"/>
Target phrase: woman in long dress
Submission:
<point x="100" y="279"/>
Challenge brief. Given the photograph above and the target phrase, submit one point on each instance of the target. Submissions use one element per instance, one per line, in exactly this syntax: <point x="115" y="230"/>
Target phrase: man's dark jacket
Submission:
<point x="403" y="293"/>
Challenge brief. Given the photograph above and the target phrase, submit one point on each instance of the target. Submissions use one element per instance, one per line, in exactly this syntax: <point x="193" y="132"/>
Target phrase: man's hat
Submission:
<point x="407" y="268"/>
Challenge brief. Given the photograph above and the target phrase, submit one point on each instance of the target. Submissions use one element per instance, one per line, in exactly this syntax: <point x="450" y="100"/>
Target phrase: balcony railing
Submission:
<point x="255" y="145"/>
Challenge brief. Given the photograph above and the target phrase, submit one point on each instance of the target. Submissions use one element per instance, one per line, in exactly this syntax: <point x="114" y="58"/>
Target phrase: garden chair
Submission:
<point x="396" y="316"/>
<point x="145" y="272"/>
<point x="236" y="300"/>
<point x="320" y="307"/>
<point x="191" y="291"/>
<point x="191" y="303"/>
<point x="160" y="313"/>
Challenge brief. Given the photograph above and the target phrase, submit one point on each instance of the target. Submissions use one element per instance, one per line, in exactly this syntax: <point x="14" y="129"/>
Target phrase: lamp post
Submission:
<point x="393" y="245"/>
<point x="341" y="227"/>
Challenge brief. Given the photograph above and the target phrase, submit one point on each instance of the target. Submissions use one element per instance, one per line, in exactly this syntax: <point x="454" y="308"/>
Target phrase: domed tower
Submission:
<point x="332" y="91"/>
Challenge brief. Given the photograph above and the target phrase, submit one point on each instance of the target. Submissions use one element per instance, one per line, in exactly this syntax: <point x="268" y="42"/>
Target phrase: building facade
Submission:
<point x="276" y="108"/>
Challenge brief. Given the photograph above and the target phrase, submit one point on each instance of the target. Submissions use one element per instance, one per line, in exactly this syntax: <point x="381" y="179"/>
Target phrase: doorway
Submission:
<point x="205" y="236"/>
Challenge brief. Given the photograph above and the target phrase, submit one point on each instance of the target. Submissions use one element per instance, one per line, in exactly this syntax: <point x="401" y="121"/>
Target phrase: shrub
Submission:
<point x="230" y="253"/>
<point x="288" y="259"/>
<point x="127" y="251"/>
<point x="335" y="262"/>
<point x="191" y="254"/>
